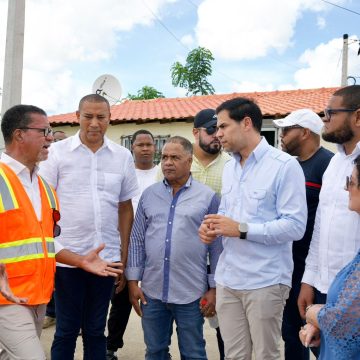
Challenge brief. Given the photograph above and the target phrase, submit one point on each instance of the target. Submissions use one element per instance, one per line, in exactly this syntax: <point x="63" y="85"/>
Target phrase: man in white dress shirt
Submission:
<point x="95" y="180"/>
<point x="335" y="239"/>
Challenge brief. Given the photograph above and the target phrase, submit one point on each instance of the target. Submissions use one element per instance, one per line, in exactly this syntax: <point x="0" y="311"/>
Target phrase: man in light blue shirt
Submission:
<point x="263" y="209"/>
<point x="168" y="258"/>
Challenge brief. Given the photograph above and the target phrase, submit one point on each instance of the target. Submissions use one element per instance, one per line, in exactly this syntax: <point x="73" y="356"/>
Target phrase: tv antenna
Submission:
<point x="109" y="87"/>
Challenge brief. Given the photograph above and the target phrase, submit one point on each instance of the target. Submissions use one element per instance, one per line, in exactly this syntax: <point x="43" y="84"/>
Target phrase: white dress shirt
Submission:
<point x="30" y="184"/>
<point x="267" y="193"/>
<point x="336" y="236"/>
<point x="90" y="186"/>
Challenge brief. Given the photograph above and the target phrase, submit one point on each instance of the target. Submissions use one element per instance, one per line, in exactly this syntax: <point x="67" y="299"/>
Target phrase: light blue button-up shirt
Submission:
<point x="267" y="193"/>
<point x="165" y="251"/>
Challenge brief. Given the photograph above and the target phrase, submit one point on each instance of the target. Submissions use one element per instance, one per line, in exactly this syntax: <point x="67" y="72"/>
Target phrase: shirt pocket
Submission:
<point x="112" y="185"/>
<point x="256" y="201"/>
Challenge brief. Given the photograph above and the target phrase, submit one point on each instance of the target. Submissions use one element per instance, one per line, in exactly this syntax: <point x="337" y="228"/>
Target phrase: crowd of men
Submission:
<point x="253" y="238"/>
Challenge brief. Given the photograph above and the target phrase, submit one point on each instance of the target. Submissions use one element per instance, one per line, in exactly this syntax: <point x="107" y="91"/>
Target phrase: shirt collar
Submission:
<point x="16" y="166"/>
<point x="356" y="150"/>
<point x="76" y="142"/>
<point x="261" y="149"/>
<point x="187" y="184"/>
<point x="197" y="161"/>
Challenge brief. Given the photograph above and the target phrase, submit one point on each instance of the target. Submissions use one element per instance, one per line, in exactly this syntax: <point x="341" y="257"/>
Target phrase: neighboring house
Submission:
<point x="166" y="117"/>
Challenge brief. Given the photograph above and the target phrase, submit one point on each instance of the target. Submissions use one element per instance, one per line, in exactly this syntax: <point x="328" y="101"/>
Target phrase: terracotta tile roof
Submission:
<point x="272" y="103"/>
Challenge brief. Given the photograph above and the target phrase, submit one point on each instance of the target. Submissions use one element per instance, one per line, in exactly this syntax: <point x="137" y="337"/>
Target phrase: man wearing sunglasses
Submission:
<point x="208" y="164"/>
<point x="28" y="225"/>
<point x="335" y="240"/>
<point x="300" y="136"/>
<point x="208" y="158"/>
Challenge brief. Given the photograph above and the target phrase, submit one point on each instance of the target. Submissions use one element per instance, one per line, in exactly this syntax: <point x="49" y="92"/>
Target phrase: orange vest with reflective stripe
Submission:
<point x="27" y="244"/>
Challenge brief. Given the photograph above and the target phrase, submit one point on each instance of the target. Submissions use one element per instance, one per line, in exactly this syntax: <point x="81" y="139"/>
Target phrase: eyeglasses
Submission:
<point x="56" y="218"/>
<point x="329" y="112"/>
<point x="46" y="131"/>
<point x="210" y="130"/>
<point x="349" y="183"/>
<point x="285" y="129"/>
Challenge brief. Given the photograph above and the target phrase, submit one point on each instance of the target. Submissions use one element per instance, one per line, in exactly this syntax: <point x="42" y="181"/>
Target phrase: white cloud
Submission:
<point x="239" y="30"/>
<point x="321" y="22"/>
<point x="60" y="34"/>
<point x="188" y="40"/>
<point x="250" y="86"/>
<point x="322" y="65"/>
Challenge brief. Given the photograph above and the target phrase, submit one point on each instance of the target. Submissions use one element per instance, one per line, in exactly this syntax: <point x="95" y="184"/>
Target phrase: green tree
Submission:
<point x="146" y="93"/>
<point x="193" y="75"/>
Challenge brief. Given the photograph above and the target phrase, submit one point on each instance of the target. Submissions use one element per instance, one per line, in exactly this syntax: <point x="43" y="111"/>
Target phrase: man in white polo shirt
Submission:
<point x="95" y="180"/>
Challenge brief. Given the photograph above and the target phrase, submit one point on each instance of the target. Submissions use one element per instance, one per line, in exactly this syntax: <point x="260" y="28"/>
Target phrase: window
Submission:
<point x="160" y="141"/>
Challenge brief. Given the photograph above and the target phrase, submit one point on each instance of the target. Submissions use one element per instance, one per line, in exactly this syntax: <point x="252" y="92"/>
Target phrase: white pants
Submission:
<point x="20" y="332"/>
<point x="251" y="320"/>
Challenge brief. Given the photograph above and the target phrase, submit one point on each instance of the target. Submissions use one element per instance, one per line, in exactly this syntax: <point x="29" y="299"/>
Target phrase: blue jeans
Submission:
<point x="82" y="301"/>
<point x="157" y="322"/>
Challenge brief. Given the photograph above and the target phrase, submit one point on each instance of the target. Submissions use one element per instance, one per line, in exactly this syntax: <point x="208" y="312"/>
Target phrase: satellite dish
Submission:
<point x="109" y="87"/>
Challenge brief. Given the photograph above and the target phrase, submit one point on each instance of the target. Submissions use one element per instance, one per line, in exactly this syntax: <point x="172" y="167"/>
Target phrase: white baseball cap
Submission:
<point x="305" y="118"/>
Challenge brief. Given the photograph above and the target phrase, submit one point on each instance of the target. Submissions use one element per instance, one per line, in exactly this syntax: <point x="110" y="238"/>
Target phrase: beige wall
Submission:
<point x="115" y="132"/>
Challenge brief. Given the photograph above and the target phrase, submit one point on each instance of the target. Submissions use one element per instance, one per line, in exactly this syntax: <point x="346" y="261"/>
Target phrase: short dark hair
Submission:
<point x="140" y="132"/>
<point x="357" y="165"/>
<point x="185" y="143"/>
<point x="96" y="98"/>
<point x="17" y="117"/>
<point x="350" y="96"/>
<point x="240" y="107"/>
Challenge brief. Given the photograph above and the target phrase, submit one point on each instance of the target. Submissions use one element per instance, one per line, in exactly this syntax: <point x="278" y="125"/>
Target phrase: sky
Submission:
<point x="258" y="45"/>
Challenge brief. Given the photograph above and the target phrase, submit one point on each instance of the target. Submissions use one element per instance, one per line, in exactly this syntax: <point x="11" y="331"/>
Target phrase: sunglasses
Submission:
<point x="210" y="130"/>
<point x="56" y="218"/>
<point x="286" y="129"/>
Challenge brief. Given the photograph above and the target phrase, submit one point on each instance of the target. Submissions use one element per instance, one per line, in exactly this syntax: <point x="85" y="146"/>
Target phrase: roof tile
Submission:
<point x="272" y="103"/>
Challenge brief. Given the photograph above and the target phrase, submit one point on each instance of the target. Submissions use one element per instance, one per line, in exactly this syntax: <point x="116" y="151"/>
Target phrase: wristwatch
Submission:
<point x="243" y="228"/>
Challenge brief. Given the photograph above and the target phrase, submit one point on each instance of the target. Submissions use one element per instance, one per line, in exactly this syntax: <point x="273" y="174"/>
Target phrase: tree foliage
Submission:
<point x="193" y="75"/>
<point x="146" y="93"/>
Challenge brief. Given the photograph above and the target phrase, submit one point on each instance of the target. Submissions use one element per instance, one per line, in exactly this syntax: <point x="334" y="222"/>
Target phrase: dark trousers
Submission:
<point x="118" y="319"/>
<point x="292" y="322"/>
<point x="82" y="301"/>
<point x="320" y="298"/>
<point x="50" y="308"/>
<point x="220" y="344"/>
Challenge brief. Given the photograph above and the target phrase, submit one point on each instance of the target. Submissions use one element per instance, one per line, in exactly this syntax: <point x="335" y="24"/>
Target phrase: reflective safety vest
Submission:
<point x="27" y="244"/>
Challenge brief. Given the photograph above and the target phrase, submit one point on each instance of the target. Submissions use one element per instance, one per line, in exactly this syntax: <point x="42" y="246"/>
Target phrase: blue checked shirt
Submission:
<point x="165" y="252"/>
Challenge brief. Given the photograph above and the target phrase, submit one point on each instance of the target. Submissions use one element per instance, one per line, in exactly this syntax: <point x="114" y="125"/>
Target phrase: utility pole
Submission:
<point x="344" y="71"/>
<point x="11" y="90"/>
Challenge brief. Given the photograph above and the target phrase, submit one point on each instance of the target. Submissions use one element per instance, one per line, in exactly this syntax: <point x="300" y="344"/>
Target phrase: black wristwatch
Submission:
<point x="243" y="228"/>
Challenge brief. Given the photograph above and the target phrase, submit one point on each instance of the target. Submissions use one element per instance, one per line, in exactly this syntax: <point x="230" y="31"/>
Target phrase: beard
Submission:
<point x="340" y="136"/>
<point x="213" y="148"/>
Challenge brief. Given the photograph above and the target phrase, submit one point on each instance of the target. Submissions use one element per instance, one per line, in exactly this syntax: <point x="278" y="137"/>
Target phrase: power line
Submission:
<point x="165" y="27"/>
<point x="178" y="40"/>
<point x="341" y="7"/>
